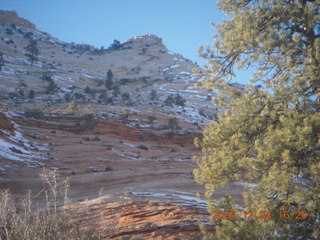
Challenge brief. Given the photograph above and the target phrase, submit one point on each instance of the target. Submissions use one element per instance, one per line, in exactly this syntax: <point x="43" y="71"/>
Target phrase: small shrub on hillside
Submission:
<point x="126" y="97"/>
<point x="46" y="76"/>
<point x="78" y="96"/>
<point x="169" y="101"/>
<point x="67" y="97"/>
<point x="36" y="113"/>
<point x="179" y="100"/>
<point x="151" y="119"/>
<point x="72" y="107"/>
<point x="153" y="95"/>
<point x="31" y="94"/>
<point x="88" y="109"/>
<point x="28" y="35"/>
<point x="109" y="100"/>
<point x="125" y="114"/>
<point x="116" y="91"/>
<point x="51" y="88"/>
<point x="21" y="93"/>
<point x="88" y="90"/>
<point x="103" y="96"/>
<point x="9" y="31"/>
<point x="13" y="26"/>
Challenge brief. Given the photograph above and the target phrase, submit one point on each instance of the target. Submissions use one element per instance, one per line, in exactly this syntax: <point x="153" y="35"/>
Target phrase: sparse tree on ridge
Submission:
<point x="269" y="135"/>
<point x="33" y="51"/>
<point x="115" y="45"/>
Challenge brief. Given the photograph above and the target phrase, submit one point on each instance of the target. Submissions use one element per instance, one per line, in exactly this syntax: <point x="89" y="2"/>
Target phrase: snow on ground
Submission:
<point x="57" y="79"/>
<point x="184" y="73"/>
<point x="17" y="148"/>
<point x="171" y="67"/>
<point x="179" y="59"/>
<point x="185" y="199"/>
<point x="88" y="76"/>
<point x="129" y="145"/>
<point x="70" y="79"/>
<point x="13" y="152"/>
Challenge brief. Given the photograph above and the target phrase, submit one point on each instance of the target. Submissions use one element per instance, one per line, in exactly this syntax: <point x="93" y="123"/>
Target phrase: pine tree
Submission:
<point x="153" y="95"/>
<point x="169" y="101"/>
<point x="115" y="45"/>
<point x="126" y="97"/>
<point x="116" y="91"/>
<point x="1" y="61"/>
<point x="31" y="94"/>
<point x="268" y="134"/>
<point x="173" y="123"/>
<point x="109" y="81"/>
<point x="52" y="87"/>
<point x="179" y="100"/>
<point x="33" y="51"/>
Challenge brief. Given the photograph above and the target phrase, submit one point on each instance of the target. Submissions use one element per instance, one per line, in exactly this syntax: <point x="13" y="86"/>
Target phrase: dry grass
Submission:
<point x="25" y="220"/>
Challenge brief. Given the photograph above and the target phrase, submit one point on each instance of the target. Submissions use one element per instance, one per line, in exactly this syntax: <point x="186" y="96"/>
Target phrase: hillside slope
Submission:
<point x="116" y="142"/>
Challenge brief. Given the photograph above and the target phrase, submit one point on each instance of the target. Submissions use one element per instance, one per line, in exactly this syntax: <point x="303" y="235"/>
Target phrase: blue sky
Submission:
<point x="182" y="24"/>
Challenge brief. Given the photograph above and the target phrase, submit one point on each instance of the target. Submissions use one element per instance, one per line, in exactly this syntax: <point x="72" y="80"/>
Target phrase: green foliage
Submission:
<point x="268" y="134"/>
<point x="47" y="76"/>
<point x="126" y="97"/>
<point x="52" y="87"/>
<point x="151" y="119"/>
<point x="67" y="97"/>
<point x="169" y="101"/>
<point x="115" y="45"/>
<point x="33" y="51"/>
<point x="109" y="80"/>
<point x="88" y="109"/>
<point x="173" y="123"/>
<point x="78" y="96"/>
<point x="103" y="96"/>
<point x="88" y="90"/>
<point x="1" y="61"/>
<point x="124" y="114"/>
<point x="36" y="113"/>
<point x="9" y="31"/>
<point x="73" y="107"/>
<point x="153" y="95"/>
<point x="31" y="94"/>
<point x="116" y="91"/>
<point x="21" y="93"/>
<point x="179" y="100"/>
<point x="23" y="218"/>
